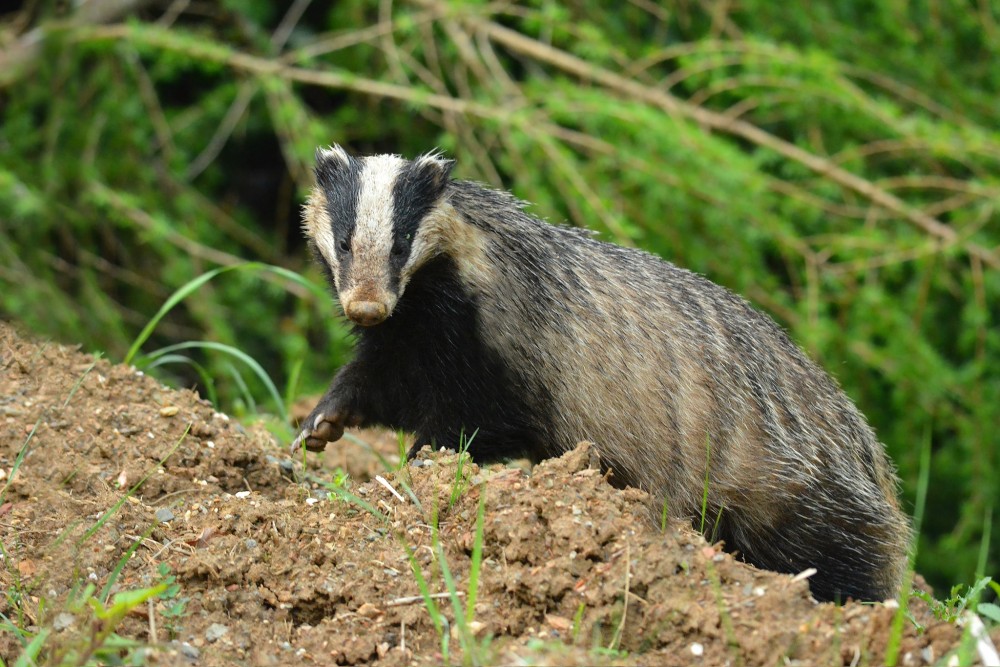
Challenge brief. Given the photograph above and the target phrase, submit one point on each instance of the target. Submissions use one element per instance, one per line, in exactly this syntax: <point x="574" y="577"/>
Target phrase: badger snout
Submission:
<point x="367" y="313"/>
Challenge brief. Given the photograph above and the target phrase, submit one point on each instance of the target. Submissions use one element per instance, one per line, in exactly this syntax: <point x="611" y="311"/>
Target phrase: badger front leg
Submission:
<point x="341" y="406"/>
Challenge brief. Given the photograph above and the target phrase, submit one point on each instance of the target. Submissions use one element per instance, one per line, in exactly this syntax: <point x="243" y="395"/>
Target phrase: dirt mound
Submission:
<point x="270" y="569"/>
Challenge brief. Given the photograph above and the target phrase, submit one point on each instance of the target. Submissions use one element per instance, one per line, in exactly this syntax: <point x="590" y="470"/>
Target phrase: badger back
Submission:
<point x="674" y="377"/>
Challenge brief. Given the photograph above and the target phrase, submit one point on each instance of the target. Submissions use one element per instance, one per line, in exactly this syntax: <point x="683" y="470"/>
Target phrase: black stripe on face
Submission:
<point x="417" y="189"/>
<point x="340" y="181"/>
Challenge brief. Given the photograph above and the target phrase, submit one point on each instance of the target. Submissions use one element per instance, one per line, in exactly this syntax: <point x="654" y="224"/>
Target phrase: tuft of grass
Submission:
<point x="460" y="478"/>
<point x="167" y="355"/>
<point x="192" y="286"/>
<point x="902" y="611"/>
<point x="207" y="381"/>
<point x="236" y="353"/>
<point x="95" y="641"/>
<point x="474" y="651"/>
<point x="91" y="617"/>
<point x="578" y="621"/>
<point x="401" y="448"/>
<point x="176" y="606"/>
<point x="960" y="599"/>
<point x="438" y="619"/>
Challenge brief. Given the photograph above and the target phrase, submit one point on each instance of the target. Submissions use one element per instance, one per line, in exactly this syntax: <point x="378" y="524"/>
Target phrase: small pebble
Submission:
<point x="63" y="620"/>
<point x="169" y="410"/>
<point x="163" y="515"/>
<point x="215" y="632"/>
<point x="250" y="543"/>
<point x="242" y="494"/>
<point x="697" y="649"/>
<point x="187" y="650"/>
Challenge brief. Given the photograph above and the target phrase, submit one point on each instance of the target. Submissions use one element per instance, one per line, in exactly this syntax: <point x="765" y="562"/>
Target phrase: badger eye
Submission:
<point x="345" y="246"/>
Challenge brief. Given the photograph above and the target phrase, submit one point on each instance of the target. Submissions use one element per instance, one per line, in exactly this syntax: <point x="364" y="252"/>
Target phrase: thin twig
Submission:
<point x="381" y="480"/>
<point x="193" y="248"/>
<point x="420" y="598"/>
<point x="527" y="46"/>
<point x="245" y="93"/>
<point x="288" y="22"/>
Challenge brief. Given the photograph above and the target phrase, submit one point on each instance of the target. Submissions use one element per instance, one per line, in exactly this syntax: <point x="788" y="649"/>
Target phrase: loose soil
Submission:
<point x="273" y="570"/>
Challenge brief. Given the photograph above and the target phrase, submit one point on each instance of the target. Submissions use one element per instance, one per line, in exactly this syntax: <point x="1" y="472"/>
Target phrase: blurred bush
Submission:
<point x="836" y="162"/>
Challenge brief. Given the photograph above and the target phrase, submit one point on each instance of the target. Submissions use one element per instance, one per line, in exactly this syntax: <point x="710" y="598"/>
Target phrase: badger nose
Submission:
<point x="367" y="313"/>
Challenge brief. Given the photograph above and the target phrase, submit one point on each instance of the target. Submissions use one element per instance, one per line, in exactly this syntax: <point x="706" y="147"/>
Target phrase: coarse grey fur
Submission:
<point x="540" y="336"/>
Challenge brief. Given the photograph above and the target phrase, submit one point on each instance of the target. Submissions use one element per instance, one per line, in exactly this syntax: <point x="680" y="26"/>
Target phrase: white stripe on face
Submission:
<point x="372" y="240"/>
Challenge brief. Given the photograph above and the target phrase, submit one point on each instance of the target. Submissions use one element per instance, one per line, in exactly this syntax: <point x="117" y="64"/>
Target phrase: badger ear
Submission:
<point x="332" y="153"/>
<point x="331" y="163"/>
<point x="435" y="167"/>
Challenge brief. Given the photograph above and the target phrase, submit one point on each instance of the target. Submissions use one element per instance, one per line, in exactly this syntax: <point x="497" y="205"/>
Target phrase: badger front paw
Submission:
<point x="323" y="426"/>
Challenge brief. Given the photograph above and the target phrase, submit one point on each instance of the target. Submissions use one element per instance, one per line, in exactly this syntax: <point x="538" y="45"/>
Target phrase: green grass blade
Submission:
<point x="207" y="381"/>
<point x="464" y="636"/>
<point x="923" y="482"/>
<point x="194" y="284"/>
<point x="179" y="295"/>
<point x="26" y="447"/>
<point x="241" y="385"/>
<point x="477" y="558"/>
<point x="234" y="352"/>
<point x="114" y="508"/>
<point x="984" y="543"/>
<point x="291" y="387"/>
<point x="29" y="656"/>
<point x="120" y="565"/>
<point x="344" y="494"/>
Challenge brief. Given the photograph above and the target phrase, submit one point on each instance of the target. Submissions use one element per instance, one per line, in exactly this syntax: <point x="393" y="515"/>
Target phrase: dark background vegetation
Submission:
<point x="835" y="162"/>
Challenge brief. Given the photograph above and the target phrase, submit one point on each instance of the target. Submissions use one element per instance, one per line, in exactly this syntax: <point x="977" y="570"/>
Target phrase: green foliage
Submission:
<point x="88" y="620"/>
<point x="175" y="606"/>
<point x="461" y="481"/>
<point x="962" y="597"/>
<point x="836" y="163"/>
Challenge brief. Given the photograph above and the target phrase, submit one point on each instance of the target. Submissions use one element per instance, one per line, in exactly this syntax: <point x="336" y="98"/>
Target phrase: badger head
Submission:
<point x="364" y="223"/>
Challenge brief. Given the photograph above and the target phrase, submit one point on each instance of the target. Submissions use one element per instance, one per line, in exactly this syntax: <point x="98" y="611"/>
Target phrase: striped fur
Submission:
<point x="537" y="336"/>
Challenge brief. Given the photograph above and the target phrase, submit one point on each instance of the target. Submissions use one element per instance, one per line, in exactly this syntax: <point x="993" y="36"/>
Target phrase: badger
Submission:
<point x="474" y="317"/>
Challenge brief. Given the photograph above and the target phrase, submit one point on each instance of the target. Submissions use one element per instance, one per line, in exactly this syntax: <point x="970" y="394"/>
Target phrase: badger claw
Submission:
<point x="325" y="428"/>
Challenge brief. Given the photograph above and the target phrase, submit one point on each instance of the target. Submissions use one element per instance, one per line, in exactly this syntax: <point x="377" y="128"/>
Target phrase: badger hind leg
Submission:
<point x="859" y="560"/>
